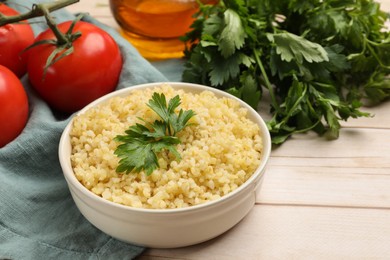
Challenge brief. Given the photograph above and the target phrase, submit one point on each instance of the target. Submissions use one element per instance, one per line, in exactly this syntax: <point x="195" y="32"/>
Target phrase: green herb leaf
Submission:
<point x="142" y="143"/>
<point x="316" y="60"/>
<point x="290" y="46"/>
<point x="233" y="35"/>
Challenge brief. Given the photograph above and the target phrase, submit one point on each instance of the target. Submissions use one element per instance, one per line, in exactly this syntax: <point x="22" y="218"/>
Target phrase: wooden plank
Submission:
<point x="385" y="5"/>
<point x="283" y="232"/>
<point x="353" y="171"/>
<point x="352" y="143"/>
<point x="356" y="165"/>
<point x="379" y="117"/>
<point x="324" y="186"/>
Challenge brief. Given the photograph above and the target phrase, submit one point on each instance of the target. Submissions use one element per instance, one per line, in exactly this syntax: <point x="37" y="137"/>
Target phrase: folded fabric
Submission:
<point x="38" y="218"/>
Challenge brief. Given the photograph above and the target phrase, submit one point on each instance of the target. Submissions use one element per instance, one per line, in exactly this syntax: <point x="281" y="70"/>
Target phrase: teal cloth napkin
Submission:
<point x="38" y="218"/>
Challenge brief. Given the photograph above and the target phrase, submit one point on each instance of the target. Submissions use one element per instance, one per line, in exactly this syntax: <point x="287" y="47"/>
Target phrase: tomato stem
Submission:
<point x="61" y="38"/>
<point x="36" y="11"/>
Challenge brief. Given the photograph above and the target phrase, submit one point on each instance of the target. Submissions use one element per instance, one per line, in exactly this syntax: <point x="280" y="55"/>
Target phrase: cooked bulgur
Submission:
<point x="220" y="151"/>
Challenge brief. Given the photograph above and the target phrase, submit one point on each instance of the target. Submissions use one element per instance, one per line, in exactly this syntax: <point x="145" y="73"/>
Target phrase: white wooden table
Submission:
<point x="319" y="200"/>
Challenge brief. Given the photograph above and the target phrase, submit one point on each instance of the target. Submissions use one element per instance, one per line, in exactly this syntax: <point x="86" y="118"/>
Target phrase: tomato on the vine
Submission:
<point x="89" y="72"/>
<point x="13" y="108"/>
<point x="14" y="38"/>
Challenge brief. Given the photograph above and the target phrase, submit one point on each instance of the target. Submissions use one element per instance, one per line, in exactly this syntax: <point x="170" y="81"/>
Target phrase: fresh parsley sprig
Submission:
<point x="317" y="60"/>
<point x="142" y="143"/>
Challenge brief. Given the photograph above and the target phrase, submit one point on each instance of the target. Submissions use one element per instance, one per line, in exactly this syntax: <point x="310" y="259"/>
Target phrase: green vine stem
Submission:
<point x="63" y="42"/>
<point x="61" y="38"/>
<point x="37" y="11"/>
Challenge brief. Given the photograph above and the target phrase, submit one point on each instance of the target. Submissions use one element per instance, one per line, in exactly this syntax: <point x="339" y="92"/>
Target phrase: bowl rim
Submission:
<point x="70" y="176"/>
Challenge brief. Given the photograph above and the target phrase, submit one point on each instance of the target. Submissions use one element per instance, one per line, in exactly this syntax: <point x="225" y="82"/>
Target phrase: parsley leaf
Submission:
<point x="142" y="143"/>
<point x="233" y="34"/>
<point x="316" y="60"/>
<point x="292" y="47"/>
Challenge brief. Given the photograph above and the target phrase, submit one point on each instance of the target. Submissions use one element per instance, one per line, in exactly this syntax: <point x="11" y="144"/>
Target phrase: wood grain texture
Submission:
<point x="296" y="232"/>
<point x="320" y="199"/>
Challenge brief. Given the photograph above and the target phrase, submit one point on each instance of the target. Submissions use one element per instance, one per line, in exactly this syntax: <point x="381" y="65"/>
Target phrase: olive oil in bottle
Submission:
<point x="154" y="26"/>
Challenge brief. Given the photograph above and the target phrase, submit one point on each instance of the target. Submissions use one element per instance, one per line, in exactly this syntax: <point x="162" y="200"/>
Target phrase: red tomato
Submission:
<point x="91" y="71"/>
<point x="14" y="38"/>
<point x="13" y="106"/>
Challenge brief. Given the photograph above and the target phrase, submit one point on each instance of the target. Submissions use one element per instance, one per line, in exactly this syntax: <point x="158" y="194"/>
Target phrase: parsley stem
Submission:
<point x="371" y="49"/>
<point x="267" y="82"/>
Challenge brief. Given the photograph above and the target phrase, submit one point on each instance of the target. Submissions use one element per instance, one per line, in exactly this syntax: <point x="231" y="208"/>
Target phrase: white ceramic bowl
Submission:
<point x="167" y="228"/>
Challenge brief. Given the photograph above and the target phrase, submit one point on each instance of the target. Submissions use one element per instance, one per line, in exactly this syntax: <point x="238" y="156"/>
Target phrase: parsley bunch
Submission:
<point x="142" y="143"/>
<point x="316" y="60"/>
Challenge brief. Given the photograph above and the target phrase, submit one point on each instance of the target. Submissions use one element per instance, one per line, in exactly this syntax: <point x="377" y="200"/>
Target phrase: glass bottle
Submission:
<point x="154" y="26"/>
